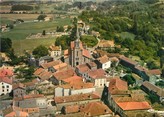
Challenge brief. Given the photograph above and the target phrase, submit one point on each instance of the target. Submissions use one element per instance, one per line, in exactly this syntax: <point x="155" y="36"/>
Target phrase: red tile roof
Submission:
<point x="86" y="53"/>
<point x="45" y="75"/>
<point x="83" y="68"/>
<point x="50" y="64"/>
<point x="79" y="85"/>
<point x="29" y="96"/>
<point x="18" y="85"/>
<point x="134" y="105"/>
<point x="54" y="48"/>
<point x="128" y="60"/>
<point x="92" y="64"/>
<point x="6" y="72"/>
<point x="72" y="109"/>
<point x="97" y="73"/>
<point x="96" y="109"/>
<point x="60" y="66"/>
<point x="73" y="79"/>
<point x="155" y="72"/>
<point x="76" y="82"/>
<point x="6" y="80"/>
<point x="38" y="71"/>
<point x="17" y="114"/>
<point x="64" y="74"/>
<point x="92" y="108"/>
<point x="103" y="59"/>
<point x="116" y="85"/>
<point x="28" y="110"/>
<point x="77" y="97"/>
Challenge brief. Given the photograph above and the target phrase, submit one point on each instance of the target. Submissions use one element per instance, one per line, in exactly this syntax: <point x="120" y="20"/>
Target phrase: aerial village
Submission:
<point x="80" y="81"/>
<point x="77" y="82"/>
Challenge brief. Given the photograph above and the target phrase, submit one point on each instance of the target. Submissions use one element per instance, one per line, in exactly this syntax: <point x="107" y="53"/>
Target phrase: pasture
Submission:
<point x="21" y="31"/>
<point x="29" y="44"/>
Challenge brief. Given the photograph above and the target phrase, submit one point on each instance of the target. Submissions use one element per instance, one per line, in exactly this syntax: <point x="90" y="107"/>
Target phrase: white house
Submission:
<point x="98" y="77"/>
<point x="66" y="90"/>
<point x="55" y="50"/>
<point x="6" y="75"/>
<point x="103" y="62"/>
<point x="5" y="85"/>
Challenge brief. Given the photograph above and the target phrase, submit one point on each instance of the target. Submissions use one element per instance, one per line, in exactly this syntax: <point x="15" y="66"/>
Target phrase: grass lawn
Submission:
<point x="21" y="31"/>
<point x="127" y="35"/>
<point x="29" y="44"/>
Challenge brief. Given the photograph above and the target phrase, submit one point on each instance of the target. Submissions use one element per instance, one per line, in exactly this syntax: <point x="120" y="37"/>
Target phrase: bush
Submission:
<point x="41" y="17"/>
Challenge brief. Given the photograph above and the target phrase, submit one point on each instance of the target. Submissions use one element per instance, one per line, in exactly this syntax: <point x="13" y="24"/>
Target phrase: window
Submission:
<point x="77" y="63"/>
<point x="3" y="90"/>
<point x="3" y="86"/>
<point x="7" y="86"/>
<point x="7" y="89"/>
<point x="77" y="53"/>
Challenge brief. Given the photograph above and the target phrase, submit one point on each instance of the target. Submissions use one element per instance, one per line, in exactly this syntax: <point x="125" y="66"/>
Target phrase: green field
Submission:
<point x="29" y="44"/>
<point x="21" y="31"/>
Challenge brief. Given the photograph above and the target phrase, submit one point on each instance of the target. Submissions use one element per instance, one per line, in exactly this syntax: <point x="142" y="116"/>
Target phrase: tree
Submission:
<point x="44" y="33"/>
<point x="41" y="17"/>
<point x="59" y="29"/>
<point x="40" y="51"/>
<point x="6" y="44"/>
<point x="153" y="98"/>
<point x="129" y="78"/>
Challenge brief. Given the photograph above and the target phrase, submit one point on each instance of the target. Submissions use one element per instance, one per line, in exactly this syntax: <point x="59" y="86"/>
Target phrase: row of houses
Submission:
<point x="144" y="73"/>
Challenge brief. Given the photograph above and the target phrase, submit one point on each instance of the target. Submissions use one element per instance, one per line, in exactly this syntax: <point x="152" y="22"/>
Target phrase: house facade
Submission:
<point x="31" y="101"/>
<point x="103" y="62"/>
<point x="6" y="75"/>
<point x="55" y="51"/>
<point x="19" y="90"/>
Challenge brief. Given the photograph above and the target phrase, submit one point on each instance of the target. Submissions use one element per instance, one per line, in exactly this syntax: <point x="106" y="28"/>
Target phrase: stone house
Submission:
<point x="31" y="101"/>
<point x="89" y="109"/>
<point x="59" y="67"/>
<point x="74" y="85"/>
<point x="19" y="90"/>
<point x="57" y="77"/>
<point x="82" y="70"/>
<point x="151" y="88"/>
<point x="50" y="64"/>
<point x="62" y="101"/>
<point x="44" y="59"/>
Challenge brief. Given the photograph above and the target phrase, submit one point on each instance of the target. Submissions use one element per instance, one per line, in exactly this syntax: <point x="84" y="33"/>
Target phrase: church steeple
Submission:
<point x="77" y="41"/>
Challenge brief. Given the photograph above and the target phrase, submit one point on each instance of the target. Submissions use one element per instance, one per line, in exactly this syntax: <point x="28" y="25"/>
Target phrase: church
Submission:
<point x="76" y="54"/>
